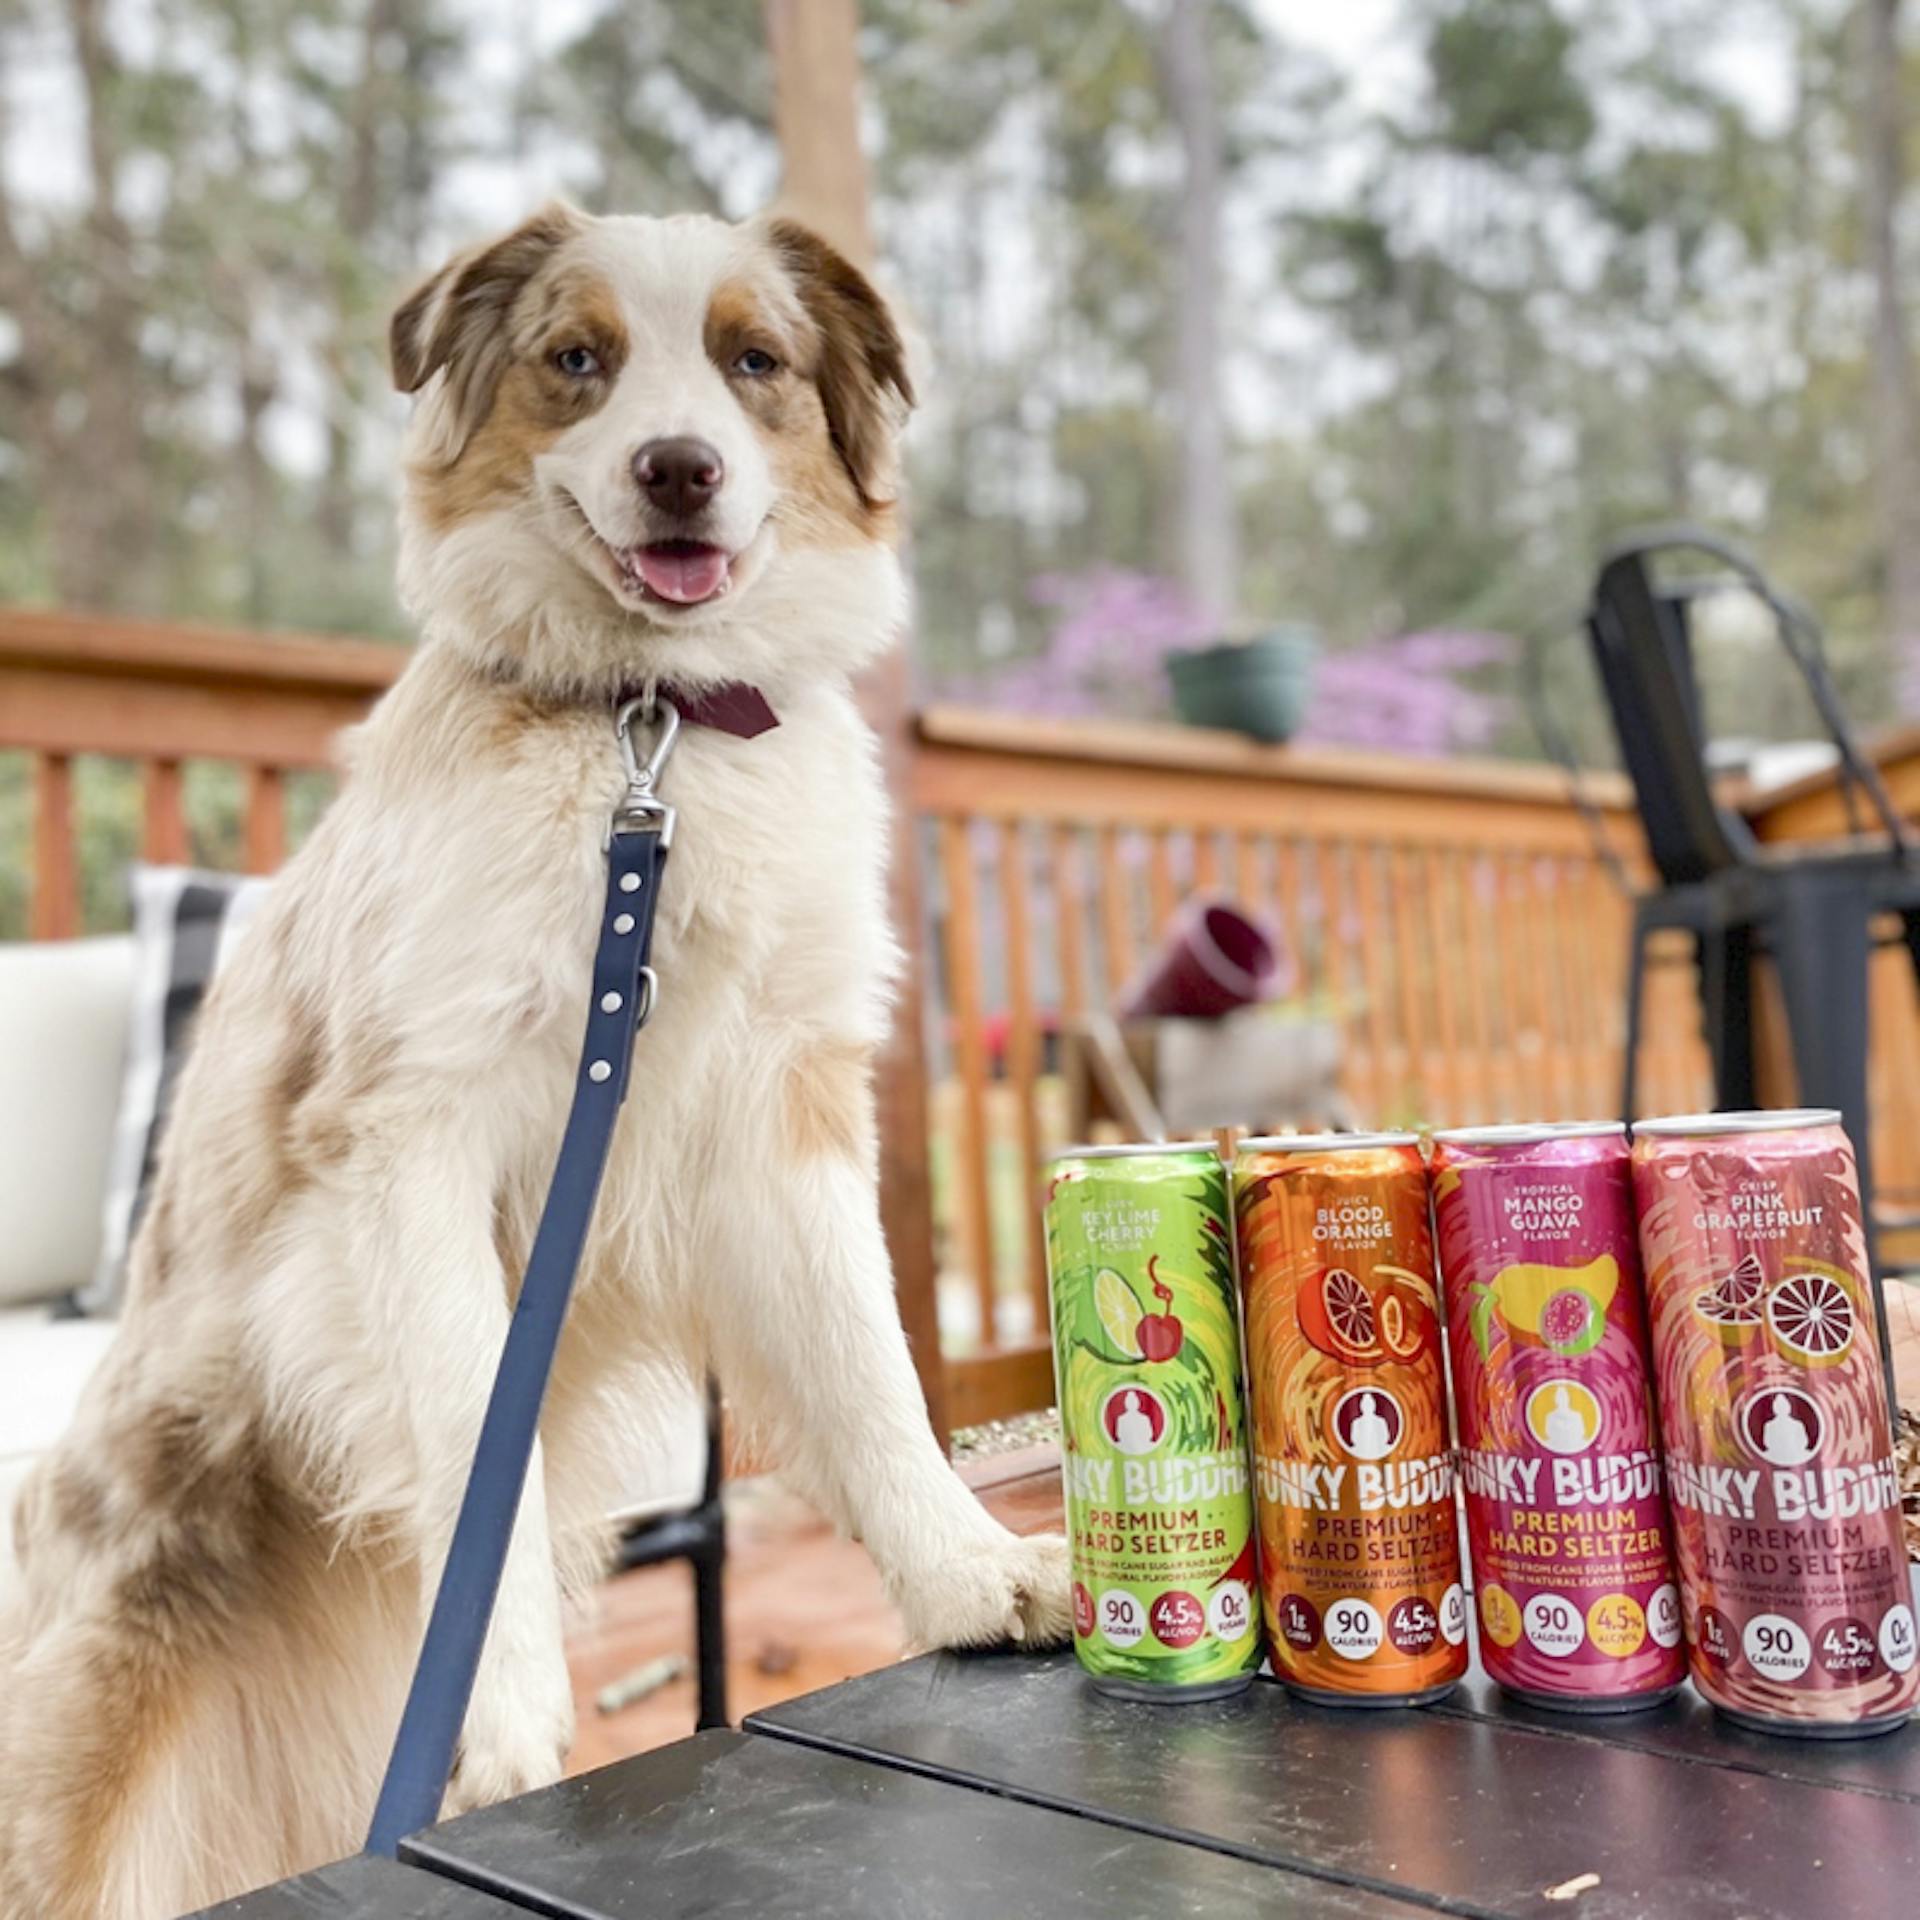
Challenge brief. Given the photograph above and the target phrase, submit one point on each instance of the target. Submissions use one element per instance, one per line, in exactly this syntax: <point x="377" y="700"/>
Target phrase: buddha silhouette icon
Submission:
<point x="1782" y="1425"/>
<point x="1368" y="1423"/>
<point x="1564" y="1416"/>
<point x="1134" y="1419"/>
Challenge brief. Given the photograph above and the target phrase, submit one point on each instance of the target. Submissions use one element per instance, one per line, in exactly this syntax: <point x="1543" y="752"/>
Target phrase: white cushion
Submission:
<point x="672" y="1465"/>
<point x="44" y="1363"/>
<point x="63" y="1028"/>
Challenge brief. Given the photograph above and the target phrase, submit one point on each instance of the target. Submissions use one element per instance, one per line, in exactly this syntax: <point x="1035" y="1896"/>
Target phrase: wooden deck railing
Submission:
<point x="1452" y="917"/>
<point x="159" y="696"/>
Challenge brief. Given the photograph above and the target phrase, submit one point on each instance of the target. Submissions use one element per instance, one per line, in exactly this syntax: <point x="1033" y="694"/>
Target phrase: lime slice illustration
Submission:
<point x="1120" y="1311"/>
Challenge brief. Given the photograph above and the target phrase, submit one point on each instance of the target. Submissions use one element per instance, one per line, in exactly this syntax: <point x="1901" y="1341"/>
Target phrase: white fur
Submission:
<point x="447" y="909"/>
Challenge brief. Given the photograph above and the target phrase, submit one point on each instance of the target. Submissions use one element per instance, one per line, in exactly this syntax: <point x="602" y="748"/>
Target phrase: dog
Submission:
<point x="641" y="450"/>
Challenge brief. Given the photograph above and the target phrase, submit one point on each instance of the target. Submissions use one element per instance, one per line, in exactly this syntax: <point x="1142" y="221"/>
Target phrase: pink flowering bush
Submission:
<point x="1113" y="628"/>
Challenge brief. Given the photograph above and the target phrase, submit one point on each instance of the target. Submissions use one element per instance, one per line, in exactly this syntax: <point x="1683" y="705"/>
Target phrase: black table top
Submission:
<point x="361" y="1889"/>
<point x="1470" y="1807"/>
<point x="731" y="1823"/>
<point x="987" y="1787"/>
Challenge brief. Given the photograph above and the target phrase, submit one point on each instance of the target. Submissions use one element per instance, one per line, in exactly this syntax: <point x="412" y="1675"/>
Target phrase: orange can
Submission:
<point x="1354" y="1471"/>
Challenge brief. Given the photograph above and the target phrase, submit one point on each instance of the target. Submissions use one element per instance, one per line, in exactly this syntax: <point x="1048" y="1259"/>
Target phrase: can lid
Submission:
<point x="1125" y="1148"/>
<point x="1324" y="1142"/>
<point x="1520" y="1133"/>
<point x="1767" y="1120"/>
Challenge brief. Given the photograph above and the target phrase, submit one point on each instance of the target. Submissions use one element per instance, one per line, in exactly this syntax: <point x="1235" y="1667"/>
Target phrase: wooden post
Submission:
<point x="816" y="112"/>
<point x="56" y="875"/>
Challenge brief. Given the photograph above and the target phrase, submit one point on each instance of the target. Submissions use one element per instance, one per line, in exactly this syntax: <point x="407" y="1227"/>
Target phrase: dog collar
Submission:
<point x="733" y="707"/>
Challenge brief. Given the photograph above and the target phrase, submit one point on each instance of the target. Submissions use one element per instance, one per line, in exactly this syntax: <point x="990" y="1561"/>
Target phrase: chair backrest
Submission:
<point x="1642" y="649"/>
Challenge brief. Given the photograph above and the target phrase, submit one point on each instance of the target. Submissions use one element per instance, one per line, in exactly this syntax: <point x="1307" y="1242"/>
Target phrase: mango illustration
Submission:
<point x="1524" y="1289"/>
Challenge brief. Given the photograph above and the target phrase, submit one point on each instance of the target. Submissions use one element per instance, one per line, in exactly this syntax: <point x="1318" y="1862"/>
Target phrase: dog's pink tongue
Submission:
<point x="682" y="570"/>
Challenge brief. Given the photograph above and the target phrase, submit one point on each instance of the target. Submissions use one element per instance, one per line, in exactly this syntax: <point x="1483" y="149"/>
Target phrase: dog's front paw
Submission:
<point x="516" y="1738"/>
<point x="1008" y="1589"/>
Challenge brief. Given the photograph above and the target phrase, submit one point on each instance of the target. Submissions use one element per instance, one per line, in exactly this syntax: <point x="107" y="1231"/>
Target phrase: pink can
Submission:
<point x="1779" y="1446"/>
<point x="1567" y="1522"/>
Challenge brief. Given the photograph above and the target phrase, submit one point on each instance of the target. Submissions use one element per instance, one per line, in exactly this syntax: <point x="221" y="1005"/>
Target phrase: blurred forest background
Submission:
<point x="1234" y="314"/>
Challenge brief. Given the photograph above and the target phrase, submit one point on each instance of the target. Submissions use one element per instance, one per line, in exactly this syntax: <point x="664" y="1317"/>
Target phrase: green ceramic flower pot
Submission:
<point x="1259" y="686"/>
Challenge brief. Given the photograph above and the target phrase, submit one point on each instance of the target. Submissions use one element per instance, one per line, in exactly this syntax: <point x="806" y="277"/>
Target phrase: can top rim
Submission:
<point x="1520" y="1133"/>
<point x="1122" y="1149"/>
<point x="1324" y="1142"/>
<point x="1762" y="1120"/>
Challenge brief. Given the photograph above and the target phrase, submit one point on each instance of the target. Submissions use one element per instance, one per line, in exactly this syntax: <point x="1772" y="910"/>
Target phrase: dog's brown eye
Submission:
<point x="756" y="364"/>
<point x="578" y="361"/>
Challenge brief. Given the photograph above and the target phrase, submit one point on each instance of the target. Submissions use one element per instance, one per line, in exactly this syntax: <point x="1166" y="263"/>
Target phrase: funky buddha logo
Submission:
<point x="1135" y="1419"/>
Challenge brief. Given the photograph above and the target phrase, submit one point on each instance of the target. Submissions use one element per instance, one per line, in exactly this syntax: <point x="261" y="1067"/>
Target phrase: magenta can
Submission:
<point x="1773" y="1403"/>
<point x="1567" y="1522"/>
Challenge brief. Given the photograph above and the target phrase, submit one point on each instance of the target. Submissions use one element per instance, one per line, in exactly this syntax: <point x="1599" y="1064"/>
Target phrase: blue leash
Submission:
<point x="623" y="990"/>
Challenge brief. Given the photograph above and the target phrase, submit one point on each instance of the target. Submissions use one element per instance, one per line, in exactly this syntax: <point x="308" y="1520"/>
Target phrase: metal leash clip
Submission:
<point x="642" y="810"/>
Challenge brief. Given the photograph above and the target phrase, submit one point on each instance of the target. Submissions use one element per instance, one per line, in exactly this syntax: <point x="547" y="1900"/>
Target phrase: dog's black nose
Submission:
<point x="679" y="476"/>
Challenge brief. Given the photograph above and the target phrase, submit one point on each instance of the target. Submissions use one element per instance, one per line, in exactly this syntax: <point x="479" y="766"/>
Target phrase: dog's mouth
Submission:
<point x="685" y="573"/>
<point x="661" y="573"/>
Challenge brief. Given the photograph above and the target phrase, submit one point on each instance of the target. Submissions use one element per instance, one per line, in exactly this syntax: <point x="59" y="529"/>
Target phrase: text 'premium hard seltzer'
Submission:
<point x="1773" y="1407"/>
<point x="1354" y="1475"/>
<point x="1559" y="1450"/>
<point x="1146" y="1343"/>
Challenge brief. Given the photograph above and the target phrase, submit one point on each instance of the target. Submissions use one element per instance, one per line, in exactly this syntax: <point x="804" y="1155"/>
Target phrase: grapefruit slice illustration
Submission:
<point x="1337" y="1316"/>
<point x="1733" y="1321"/>
<point x="1745" y="1284"/>
<point x="1811" y="1320"/>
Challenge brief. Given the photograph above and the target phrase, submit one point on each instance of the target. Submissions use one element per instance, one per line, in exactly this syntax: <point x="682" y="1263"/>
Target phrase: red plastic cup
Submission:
<point x="1213" y="961"/>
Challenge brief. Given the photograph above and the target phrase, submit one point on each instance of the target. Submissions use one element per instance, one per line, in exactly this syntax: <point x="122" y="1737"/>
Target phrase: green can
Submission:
<point x="1146" y="1354"/>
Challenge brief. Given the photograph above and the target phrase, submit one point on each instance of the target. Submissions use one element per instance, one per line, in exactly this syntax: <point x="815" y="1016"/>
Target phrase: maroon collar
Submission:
<point x="733" y="707"/>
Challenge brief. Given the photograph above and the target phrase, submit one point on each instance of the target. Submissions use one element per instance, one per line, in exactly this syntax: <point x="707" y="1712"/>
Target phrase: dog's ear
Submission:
<point x="457" y="320"/>
<point x="862" y="376"/>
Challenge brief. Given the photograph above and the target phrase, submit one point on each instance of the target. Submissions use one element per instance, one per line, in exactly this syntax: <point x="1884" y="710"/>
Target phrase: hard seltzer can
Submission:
<point x="1553" y="1401"/>
<point x="1354" y="1473"/>
<point x="1773" y="1404"/>
<point x="1146" y="1342"/>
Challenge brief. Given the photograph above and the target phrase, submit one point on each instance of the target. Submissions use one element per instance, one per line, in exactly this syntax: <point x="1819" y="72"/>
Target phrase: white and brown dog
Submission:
<point x="642" y="448"/>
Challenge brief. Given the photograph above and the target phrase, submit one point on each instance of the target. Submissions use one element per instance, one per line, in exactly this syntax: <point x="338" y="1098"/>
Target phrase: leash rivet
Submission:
<point x="609" y="1003"/>
<point x="629" y="883"/>
<point x="623" y="923"/>
<point x="599" y="1071"/>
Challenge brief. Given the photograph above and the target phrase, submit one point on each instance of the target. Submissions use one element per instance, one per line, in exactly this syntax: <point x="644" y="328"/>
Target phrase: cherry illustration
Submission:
<point x="1159" y="1334"/>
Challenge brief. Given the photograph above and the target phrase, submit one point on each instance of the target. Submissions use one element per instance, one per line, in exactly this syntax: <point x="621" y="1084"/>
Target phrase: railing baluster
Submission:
<point x="1473" y="939"/>
<point x="56" y="873"/>
<point x="1586" y="1035"/>
<point x="1116" y="913"/>
<point x="1246" y="870"/>
<point x="266" y="832"/>
<point x="163" y="829"/>
<point x="1206" y="860"/>
<point x="1525" y="1037"/>
<point x="1443" y="963"/>
<point x="1407" y="972"/>
<point x="1162" y="895"/>
<point x="1389" y="1078"/>
<point x="1022" y="1055"/>
<point x="1291" y="922"/>
<point x="1541" y="930"/>
<point x="1069" y="922"/>
<point x="974" y="1183"/>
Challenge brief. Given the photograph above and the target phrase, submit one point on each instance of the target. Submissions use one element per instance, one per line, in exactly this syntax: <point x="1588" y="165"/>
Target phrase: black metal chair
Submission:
<point x="696" y="1534"/>
<point x="1810" y="908"/>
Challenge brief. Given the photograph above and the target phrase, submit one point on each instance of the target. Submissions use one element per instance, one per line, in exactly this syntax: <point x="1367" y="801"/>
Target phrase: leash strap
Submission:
<point x="623" y="992"/>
